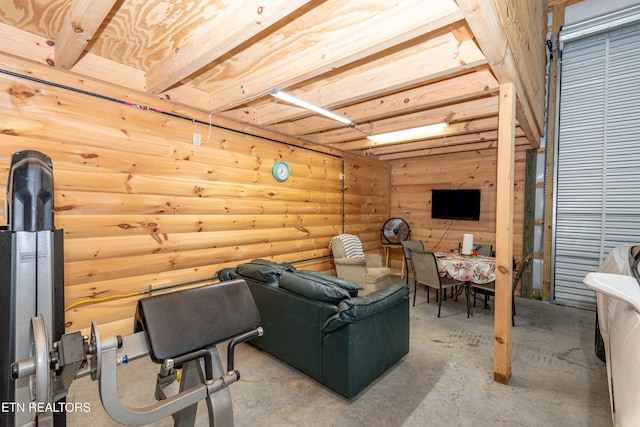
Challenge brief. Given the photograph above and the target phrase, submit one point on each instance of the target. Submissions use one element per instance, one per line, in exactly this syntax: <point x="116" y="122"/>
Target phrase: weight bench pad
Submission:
<point x="182" y="322"/>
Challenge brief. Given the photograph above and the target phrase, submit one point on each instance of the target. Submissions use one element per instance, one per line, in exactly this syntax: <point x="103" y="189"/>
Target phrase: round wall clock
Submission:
<point x="281" y="171"/>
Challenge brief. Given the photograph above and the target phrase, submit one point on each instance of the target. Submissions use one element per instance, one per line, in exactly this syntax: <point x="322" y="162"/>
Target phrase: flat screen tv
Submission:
<point x="455" y="204"/>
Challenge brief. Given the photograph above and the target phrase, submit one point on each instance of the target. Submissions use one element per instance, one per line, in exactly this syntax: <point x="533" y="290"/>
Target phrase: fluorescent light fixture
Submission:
<point x="408" y="134"/>
<point x="300" y="103"/>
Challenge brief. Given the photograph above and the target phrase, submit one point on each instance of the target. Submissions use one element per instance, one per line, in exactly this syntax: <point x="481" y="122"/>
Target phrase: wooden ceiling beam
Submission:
<point x="25" y="44"/>
<point x="445" y="92"/>
<point x="396" y="71"/>
<point x="461" y="31"/>
<point x="78" y="28"/>
<point x="409" y="67"/>
<point x="447" y="141"/>
<point x="350" y="33"/>
<point x="477" y="147"/>
<point x="461" y="128"/>
<point x="511" y="35"/>
<point x="457" y="112"/>
<point x="233" y="26"/>
<point x="100" y="68"/>
<point x="432" y="151"/>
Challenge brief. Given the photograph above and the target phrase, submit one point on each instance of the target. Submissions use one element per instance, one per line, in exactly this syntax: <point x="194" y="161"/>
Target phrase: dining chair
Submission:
<point x="490" y="288"/>
<point x="426" y="273"/>
<point x="407" y="245"/>
<point x="486" y="250"/>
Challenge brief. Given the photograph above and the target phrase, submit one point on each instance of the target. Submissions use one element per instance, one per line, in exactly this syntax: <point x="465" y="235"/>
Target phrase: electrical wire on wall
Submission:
<point x="231" y="105"/>
<point x="443" y="235"/>
<point x="150" y="290"/>
<point x="450" y="225"/>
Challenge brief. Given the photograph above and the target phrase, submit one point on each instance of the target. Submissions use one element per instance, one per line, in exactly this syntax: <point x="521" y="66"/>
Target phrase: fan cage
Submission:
<point x="393" y="227"/>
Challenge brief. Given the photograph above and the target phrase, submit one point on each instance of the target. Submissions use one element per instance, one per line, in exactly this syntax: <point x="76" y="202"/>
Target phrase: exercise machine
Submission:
<point x="180" y="330"/>
<point x="31" y="273"/>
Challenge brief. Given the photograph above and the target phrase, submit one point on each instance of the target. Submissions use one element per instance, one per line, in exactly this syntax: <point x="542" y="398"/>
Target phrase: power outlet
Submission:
<point x="197" y="139"/>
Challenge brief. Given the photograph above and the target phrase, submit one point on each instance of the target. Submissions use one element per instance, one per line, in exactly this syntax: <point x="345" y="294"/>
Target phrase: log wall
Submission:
<point x="411" y="185"/>
<point x="142" y="207"/>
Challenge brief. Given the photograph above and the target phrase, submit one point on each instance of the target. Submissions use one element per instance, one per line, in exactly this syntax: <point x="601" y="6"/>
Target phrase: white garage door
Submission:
<point x="598" y="160"/>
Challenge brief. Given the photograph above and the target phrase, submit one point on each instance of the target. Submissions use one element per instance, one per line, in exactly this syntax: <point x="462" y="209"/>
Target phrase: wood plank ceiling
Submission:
<point x="386" y="65"/>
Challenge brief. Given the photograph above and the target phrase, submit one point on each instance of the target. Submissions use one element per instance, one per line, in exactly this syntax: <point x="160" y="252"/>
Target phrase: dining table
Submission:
<point x="470" y="269"/>
<point x="467" y="268"/>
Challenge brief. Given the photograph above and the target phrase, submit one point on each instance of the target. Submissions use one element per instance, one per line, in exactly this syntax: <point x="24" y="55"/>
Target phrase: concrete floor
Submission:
<point x="445" y="380"/>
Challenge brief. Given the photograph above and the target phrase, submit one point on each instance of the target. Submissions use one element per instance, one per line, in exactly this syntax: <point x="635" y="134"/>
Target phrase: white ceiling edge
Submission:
<point x="589" y="9"/>
<point x="605" y="21"/>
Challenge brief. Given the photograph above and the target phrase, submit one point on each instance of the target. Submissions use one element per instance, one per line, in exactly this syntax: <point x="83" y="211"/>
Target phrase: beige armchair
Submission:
<point x="353" y="264"/>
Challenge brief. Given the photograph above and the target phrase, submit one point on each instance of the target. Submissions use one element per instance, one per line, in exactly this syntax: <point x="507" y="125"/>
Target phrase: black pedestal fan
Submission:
<point x="394" y="231"/>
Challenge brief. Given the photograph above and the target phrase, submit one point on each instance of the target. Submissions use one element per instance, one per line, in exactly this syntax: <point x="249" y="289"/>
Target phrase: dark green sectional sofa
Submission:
<point x="316" y="323"/>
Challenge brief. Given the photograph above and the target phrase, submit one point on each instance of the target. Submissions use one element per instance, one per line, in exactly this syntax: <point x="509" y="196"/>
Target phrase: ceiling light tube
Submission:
<point x="300" y="103"/>
<point x="409" y="134"/>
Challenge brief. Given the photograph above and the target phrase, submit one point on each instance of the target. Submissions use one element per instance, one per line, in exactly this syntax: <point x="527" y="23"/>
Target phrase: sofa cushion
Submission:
<point x="267" y="274"/>
<point x="377" y="273"/>
<point x="311" y="288"/>
<point x="354" y="309"/>
<point x="347" y="285"/>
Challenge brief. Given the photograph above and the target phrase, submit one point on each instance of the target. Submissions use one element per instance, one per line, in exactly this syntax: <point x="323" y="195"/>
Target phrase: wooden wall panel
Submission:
<point x="411" y="185"/>
<point x="366" y="201"/>
<point x="142" y="207"/>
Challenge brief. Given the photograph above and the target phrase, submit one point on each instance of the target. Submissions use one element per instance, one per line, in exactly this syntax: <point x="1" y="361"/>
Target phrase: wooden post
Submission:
<point x="529" y="219"/>
<point x="558" y="21"/>
<point x="504" y="234"/>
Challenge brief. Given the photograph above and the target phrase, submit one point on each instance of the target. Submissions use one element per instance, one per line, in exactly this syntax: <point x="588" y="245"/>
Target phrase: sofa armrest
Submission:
<point x="356" y="354"/>
<point x="354" y="309"/>
<point x="353" y="269"/>
<point x="373" y="260"/>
